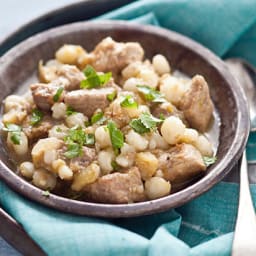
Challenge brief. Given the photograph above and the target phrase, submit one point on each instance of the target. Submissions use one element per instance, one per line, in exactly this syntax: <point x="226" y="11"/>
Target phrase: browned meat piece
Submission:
<point x="117" y="188"/>
<point x="39" y="131"/>
<point x="109" y="55"/>
<point x="80" y="163"/>
<point x="43" y="94"/>
<point x="88" y="101"/>
<point x="197" y="105"/>
<point x="167" y="109"/>
<point x="72" y="74"/>
<point x="180" y="162"/>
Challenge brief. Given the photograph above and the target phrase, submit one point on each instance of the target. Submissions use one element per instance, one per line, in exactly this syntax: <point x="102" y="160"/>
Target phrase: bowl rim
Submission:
<point x="221" y="168"/>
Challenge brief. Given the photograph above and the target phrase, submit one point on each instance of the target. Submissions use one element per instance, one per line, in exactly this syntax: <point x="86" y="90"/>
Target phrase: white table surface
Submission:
<point x="14" y="13"/>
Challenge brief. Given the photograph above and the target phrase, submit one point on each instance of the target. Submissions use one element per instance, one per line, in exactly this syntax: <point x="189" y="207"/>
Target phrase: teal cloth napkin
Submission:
<point x="202" y="227"/>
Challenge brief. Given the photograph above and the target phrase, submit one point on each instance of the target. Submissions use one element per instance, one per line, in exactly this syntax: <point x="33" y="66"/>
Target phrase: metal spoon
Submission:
<point x="245" y="230"/>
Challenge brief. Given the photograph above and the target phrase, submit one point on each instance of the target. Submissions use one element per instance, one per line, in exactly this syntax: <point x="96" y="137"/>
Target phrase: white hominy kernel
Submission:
<point x="136" y="140"/>
<point x="44" y="179"/>
<point x="102" y="137"/>
<point x="161" y="64"/>
<point x="126" y="158"/>
<point x="147" y="164"/>
<point x="19" y="149"/>
<point x="204" y="146"/>
<point x="131" y="84"/>
<point x="172" y="130"/>
<point x="157" y="141"/>
<point x="76" y="119"/>
<point x="190" y="136"/>
<point x="149" y="77"/>
<point x="50" y="156"/>
<point x="58" y="131"/>
<point x="14" y="116"/>
<point x="59" y="110"/>
<point x="69" y="54"/>
<point x="173" y="89"/>
<point x="105" y="158"/>
<point x="157" y="187"/>
<point x="131" y="70"/>
<point x="65" y="173"/>
<point x="14" y="102"/>
<point x="87" y="176"/>
<point x="27" y="169"/>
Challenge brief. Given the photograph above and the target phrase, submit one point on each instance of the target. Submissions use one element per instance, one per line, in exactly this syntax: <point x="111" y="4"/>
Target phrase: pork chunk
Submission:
<point x="197" y="105"/>
<point x="181" y="162"/>
<point x="73" y="75"/>
<point x="43" y="95"/>
<point x="79" y="163"/>
<point x="109" y="55"/>
<point x="117" y="188"/>
<point x="88" y="101"/>
<point x="39" y="131"/>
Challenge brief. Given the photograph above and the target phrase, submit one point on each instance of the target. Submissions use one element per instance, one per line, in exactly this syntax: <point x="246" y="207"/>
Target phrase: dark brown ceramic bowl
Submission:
<point x="18" y="67"/>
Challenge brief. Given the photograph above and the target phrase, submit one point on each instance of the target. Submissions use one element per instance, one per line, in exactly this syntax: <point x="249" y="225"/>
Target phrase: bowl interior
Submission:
<point x="18" y="68"/>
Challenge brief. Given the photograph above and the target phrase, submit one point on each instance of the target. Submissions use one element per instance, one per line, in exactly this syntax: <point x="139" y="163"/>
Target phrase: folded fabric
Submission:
<point x="202" y="227"/>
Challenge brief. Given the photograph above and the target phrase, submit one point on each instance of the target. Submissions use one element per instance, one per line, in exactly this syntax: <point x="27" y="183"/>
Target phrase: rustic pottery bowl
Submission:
<point x="18" y="68"/>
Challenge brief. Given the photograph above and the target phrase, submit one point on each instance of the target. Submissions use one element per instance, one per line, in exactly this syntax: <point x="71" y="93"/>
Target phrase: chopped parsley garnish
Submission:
<point x="73" y="150"/>
<point x="209" y="160"/>
<point x="115" y="165"/>
<point x="75" y="140"/>
<point x="70" y="111"/>
<point x="15" y="131"/>
<point x="145" y="123"/>
<point x="129" y="102"/>
<point x="151" y="94"/>
<point x="116" y="136"/>
<point x="36" y="117"/>
<point x="161" y="116"/>
<point x="93" y="79"/>
<point x="57" y="95"/>
<point x="98" y="118"/>
<point x="46" y="193"/>
<point x="111" y="96"/>
<point x="58" y="129"/>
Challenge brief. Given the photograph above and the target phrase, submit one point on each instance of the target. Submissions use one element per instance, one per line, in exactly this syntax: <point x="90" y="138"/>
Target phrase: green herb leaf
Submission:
<point x="89" y="139"/>
<point x="149" y="121"/>
<point x="116" y="136"/>
<point x="138" y="126"/>
<point x="73" y="150"/>
<point x="93" y="79"/>
<point x="70" y="111"/>
<point x="46" y="193"/>
<point x="209" y="160"/>
<point x="15" y="131"/>
<point x="151" y="94"/>
<point x="36" y="117"/>
<point x="57" y="95"/>
<point x="145" y="123"/>
<point x="58" y="129"/>
<point x="115" y="165"/>
<point x="111" y="96"/>
<point x="129" y="102"/>
<point x="98" y="118"/>
<point x="161" y="116"/>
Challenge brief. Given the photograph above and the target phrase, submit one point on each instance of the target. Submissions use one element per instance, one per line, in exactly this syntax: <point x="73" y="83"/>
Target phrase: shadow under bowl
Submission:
<point x="18" y="68"/>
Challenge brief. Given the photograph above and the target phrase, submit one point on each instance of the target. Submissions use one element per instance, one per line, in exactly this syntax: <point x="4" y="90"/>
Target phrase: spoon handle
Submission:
<point x="245" y="231"/>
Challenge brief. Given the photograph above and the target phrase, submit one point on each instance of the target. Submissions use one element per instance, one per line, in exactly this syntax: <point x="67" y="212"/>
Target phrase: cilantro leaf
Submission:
<point x="89" y="139"/>
<point x="116" y="136"/>
<point x="111" y="96"/>
<point x="129" y="102"/>
<point x="98" y="118"/>
<point x="145" y="123"/>
<point x="15" y="131"/>
<point x="209" y="160"/>
<point x="46" y="193"/>
<point x="138" y="126"/>
<point x="93" y="79"/>
<point x="70" y="111"/>
<point x="73" y="150"/>
<point x="36" y="117"/>
<point x="151" y="94"/>
<point x="57" y="95"/>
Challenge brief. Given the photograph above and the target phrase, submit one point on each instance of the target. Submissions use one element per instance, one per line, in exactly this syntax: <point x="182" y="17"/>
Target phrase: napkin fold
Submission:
<point x="202" y="227"/>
